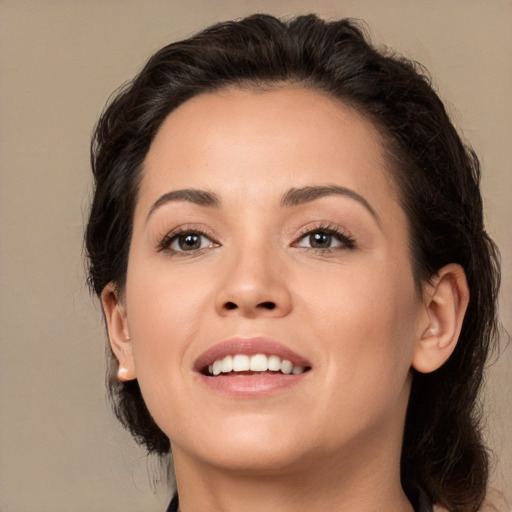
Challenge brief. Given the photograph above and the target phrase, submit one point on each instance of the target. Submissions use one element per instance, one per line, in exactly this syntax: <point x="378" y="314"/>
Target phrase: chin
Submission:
<point x="263" y="448"/>
<point x="252" y="460"/>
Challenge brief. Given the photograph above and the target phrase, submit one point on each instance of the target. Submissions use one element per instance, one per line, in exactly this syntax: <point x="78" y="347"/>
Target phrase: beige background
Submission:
<point x="60" y="449"/>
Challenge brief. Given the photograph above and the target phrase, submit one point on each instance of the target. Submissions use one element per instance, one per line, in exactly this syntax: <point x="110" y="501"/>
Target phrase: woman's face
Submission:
<point x="267" y="225"/>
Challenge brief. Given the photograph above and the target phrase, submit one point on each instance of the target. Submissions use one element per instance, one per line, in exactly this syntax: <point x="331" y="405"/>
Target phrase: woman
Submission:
<point x="288" y="242"/>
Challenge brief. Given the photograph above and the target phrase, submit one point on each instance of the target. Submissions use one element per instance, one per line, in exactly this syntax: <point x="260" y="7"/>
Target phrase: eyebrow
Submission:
<point x="294" y="197"/>
<point x="199" y="197"/>
<point x="298" y="196"/>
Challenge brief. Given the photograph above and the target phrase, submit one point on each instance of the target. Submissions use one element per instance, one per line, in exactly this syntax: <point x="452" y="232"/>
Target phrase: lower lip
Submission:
<point x="251" y="385"/>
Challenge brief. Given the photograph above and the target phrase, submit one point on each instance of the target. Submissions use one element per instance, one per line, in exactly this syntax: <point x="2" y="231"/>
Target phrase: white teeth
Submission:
<point x="241" y="363"/>
<point x="254" y="363"/>
<point x="217" y="367"/>
<point x="274" y="363"/>
<point x="258" y="363"/>
<point x="286" y="367"/>
<point x="227" y="364"/>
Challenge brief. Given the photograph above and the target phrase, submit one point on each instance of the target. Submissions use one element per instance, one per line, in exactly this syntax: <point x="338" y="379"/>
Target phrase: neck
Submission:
<point x="330" y="484"/>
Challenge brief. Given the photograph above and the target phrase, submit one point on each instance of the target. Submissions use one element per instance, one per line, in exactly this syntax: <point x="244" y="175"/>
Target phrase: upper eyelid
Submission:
<point x="192" y="228"/>
<point x="323" y="225"/>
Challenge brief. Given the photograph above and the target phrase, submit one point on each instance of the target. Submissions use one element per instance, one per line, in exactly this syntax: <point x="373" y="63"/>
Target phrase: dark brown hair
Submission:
<point x="436" y="173"/>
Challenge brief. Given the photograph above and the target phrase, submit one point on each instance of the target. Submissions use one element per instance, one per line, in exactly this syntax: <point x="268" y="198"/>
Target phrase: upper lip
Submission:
<point x="248" y="346"/>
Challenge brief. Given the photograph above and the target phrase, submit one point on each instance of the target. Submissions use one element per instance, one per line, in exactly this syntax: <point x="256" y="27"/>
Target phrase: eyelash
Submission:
<point x="167" y="240"/>
<point x="347" y="241"/>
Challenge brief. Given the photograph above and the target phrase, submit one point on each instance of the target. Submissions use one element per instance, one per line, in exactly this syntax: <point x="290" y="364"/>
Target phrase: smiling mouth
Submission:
<point x="256" y="364"/>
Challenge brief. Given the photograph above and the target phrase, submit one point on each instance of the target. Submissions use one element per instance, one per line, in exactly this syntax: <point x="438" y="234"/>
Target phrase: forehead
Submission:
<point x="279" y="137"/>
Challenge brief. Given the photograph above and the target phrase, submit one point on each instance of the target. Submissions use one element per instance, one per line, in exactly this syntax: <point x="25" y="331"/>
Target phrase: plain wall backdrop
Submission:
<point x="60" y="448"/>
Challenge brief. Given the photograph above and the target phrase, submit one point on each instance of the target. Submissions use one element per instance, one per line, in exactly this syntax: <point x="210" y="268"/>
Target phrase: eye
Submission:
<point x="325" y="239"/>
<point x="187" y="241"/>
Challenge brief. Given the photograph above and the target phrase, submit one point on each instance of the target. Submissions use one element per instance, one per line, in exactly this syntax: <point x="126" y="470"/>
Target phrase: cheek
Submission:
<point x="163" y="303"/>
<point x="366" y="321"/>
<point x="164" y="318"/>
<point x="165" y="314"/>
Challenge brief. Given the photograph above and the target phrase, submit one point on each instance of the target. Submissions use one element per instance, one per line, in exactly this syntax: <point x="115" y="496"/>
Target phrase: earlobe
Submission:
<point x="118" y="332"/>
<point x="446" y="301"/>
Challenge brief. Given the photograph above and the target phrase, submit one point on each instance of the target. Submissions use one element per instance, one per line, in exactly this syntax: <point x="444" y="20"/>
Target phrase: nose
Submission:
<point x="254" y="284"/>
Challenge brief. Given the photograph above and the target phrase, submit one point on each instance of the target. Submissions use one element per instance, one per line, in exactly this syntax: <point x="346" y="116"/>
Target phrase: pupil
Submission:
<point x="320" y="240"/>
<point x="188" y="242"/>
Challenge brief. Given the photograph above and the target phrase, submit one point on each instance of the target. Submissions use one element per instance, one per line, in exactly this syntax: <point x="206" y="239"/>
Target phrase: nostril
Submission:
<point x="269" y="305"/>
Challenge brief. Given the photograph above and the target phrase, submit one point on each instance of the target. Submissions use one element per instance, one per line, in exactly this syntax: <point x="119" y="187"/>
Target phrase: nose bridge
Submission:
<point x="254" y="281"/>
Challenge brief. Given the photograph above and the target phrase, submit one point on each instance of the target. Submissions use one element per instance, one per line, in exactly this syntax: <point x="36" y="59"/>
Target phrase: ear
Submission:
<point x="446" y="301"/>
<point x="118" y="333"/>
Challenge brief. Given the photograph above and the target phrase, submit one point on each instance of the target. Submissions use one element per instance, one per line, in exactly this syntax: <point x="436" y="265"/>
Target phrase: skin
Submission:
<point x="331" y="441"/>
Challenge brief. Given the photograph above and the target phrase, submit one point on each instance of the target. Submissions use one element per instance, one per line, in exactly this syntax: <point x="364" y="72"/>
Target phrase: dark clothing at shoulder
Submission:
<point x="422" y="502"/>
<point x="173" y="506"/>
